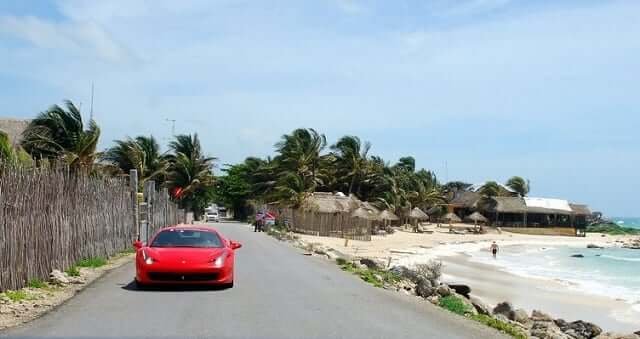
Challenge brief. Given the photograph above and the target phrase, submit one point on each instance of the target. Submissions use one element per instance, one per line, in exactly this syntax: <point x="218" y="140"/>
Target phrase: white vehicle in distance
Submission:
<point x="212" y="216"/>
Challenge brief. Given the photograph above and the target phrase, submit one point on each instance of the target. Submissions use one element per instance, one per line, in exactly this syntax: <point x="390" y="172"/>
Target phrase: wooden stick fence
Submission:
<point x="52" y="218"/>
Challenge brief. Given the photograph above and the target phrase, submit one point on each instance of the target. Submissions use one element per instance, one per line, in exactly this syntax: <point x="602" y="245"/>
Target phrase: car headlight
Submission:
<point x="219" y="262"/>
<point x="147" y="259"/>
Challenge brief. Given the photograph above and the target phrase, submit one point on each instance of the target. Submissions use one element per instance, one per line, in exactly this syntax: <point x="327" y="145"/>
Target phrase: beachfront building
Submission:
<point x="515" y="211"/>
<point x="332" y="215"/>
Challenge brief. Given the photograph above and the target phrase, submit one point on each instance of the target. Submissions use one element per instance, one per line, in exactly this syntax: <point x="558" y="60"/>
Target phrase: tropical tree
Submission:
<point x="300" y="153"/>
<point x="10" y="154"/>
<point x="190" y="174"/>
<point x="59" y="135"/>
<point x="488" y="192"/>
<point x="518" y="184"/>
<point x="351" y="163"/>
<point x="142" y="154"/>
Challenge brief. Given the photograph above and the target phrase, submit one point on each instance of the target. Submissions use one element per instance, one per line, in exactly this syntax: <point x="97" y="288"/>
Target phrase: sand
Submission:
<point x="489" y="282"/>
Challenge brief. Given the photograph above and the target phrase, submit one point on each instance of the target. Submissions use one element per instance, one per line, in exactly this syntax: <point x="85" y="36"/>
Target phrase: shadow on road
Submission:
<point x="133" y="287"/>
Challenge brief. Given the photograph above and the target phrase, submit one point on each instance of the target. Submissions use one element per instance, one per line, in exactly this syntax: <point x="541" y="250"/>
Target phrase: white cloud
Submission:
<point x="75" y="37"/>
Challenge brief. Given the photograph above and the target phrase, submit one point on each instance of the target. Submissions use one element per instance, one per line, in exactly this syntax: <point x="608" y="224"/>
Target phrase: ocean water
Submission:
<point x="627" y="222"/>
<point x="612" y="272"/>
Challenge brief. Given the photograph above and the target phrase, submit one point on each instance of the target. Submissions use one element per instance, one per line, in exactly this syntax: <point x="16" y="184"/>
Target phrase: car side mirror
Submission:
<point x="235" y="245"/>
<point x="137" y="244"/>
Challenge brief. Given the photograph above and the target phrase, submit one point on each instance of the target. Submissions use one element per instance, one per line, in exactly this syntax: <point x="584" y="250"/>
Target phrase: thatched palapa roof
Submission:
<point x="325" y="202"/>
<point x="417" y="213"/>
<point x="364" y="213"/>
<point x="579" y="209"/>
<point x="388" y="215"/>
<point x="476" y="217"/>
<point x="14" y="128"/>
<point x="451" y="217"/>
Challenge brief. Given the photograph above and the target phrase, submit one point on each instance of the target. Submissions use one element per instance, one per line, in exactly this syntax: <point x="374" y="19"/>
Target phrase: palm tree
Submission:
<point x="518" y="184"/>
<point x="190" y="175"/>
<point x="141" y="154"/>
<point x="59" y="135"/>
<point x="351" y="162"/>
<point x="489" y="191"/>
<point x="300" y="152"/>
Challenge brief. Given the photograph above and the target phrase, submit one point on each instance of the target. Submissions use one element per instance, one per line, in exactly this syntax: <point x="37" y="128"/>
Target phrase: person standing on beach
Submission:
<point x="494" y="249"/>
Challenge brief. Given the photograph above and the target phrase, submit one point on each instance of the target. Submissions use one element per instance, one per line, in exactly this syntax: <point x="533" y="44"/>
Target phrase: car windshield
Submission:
<point x="187" y="238"/>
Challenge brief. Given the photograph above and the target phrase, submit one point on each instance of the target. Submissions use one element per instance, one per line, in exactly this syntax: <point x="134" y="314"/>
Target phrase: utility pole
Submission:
<point x="91" y="110"/>
<point x="173" y="126"/>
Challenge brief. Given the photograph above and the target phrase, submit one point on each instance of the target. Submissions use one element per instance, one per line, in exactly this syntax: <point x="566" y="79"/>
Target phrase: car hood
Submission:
<point x="184" y="254"/>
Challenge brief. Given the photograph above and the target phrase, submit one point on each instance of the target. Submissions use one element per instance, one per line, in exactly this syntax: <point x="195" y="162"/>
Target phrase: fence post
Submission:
<point x="133" y="185"/>
<point x="149" y="192"/>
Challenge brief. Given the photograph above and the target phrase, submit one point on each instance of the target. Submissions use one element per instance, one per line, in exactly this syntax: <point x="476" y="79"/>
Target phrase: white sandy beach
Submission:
<point x="492" y="284"/>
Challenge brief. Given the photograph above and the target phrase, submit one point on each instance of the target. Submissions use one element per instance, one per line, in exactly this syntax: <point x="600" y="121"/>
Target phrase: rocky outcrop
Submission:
<point x="506" y="309"/>
<point x="443" y="291"/>
<point x="461" y="289"/>
<point x="480" y="306"/>
<point x="369" y="263"/>
<point x="594" y="246"/>
<point x="424" y="288"/>
<point x="579" y="329"/>
<point x="577" y="255"/>
<point x="520" y="316"/>
<point x="57" y="277"/>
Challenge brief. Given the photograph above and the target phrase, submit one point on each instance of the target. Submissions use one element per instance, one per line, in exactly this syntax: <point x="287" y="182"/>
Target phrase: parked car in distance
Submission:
<point x="186" y="254"/>
<point x="212" y="216"/>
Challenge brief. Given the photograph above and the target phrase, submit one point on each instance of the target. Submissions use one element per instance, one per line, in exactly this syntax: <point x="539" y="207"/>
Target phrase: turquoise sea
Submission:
<point x="627" y="221"/>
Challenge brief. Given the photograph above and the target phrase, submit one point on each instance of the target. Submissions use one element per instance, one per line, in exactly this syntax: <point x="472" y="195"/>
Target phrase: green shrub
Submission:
<point x="37" y="283"/>
<point x="611" y="229"/>
<point x="455" y="305"/>
<point x="92" y="262"/>
<point x="73" y="271"/>
<point x="507" y="328"/>
<point x="18" y="295"/>
<point x="341" y="261"/>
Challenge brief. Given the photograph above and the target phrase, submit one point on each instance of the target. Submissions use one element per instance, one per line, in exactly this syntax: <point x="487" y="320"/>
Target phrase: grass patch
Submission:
<point x="18" y="295"/>
<point x="507" y="328"/>
<point x="455" y="305"/>
<point x="92" y="262"/>
<point x="73" y="271"/>
<point x="374" y="277"/>
<point x="612" y="229"/>
<point x="37" y="283"/>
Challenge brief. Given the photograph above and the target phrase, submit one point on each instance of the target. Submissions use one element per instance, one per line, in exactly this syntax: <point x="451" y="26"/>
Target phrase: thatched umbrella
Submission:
<point x="451" y="217"/>
<point x="388" y="215"/>
<point x="417" y="214"/>
<point x="364" y="213"/>
<point x="476" y="217"/>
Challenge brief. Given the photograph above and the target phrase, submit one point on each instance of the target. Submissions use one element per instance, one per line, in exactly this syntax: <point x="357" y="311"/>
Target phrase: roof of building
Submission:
<point x="510" y="205"/>
<point x="547" y="206"/>
<point x="465" y="199"/>
<point x="14" y="128"/>
<point x="579" y="209"/>
<point x="477" y="187"/>
<point x="327" y="202"/>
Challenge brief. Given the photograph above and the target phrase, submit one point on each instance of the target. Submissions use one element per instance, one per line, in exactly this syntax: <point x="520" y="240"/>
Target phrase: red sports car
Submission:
<point x="186" y="254"/>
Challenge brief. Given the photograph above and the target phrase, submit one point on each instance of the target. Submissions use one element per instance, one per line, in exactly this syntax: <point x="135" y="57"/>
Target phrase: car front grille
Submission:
<point x="160" y="276"/>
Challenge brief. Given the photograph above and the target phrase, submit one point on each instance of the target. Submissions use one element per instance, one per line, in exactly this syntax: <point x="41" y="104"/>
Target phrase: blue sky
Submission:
<point x="474" y="89"/>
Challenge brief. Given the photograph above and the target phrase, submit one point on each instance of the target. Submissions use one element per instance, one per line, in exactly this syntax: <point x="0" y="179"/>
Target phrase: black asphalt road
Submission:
<point x="278" y="293"/>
